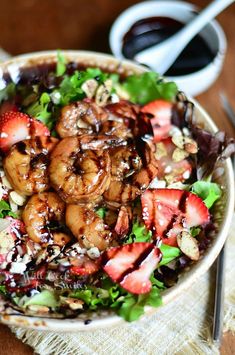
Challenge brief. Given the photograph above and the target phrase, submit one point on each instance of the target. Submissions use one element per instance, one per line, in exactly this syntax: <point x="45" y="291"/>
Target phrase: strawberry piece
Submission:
<point x="16" y="228"/>
<point x="138" y="281"/>
<point x="160" y="208"/>
<point x="7" y="106"/>
<point x="17" y="126"/>
<point x="160" y="113"/>
<point x="131" y="265"/>
<point x="196" y="211"/>
<point x="168" y="211"/>
<point x="87" y="267"/>
<point x="28" y="281"/>
<point x="168" y="169"/>
<point x="171" y="238"/>
<point x="14" y="127"/>
<point x="147" y="208"/>
<point x="37" y="128"/>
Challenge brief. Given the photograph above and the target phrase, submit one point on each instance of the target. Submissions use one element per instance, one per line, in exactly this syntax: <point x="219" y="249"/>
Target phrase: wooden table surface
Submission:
<point x="32" y="25"/>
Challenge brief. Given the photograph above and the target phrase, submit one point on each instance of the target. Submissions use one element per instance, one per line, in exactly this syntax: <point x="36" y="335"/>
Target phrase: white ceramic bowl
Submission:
<point x="195" y="83"/>
<point x="224" y="209"/>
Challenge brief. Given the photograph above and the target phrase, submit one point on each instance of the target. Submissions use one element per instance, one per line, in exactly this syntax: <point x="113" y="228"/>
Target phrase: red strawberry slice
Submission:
<point x="171" y="238"/>
<point x="160" y="132"/>
<point x="131" y="265"/>
<point x="37" y="128"/>
<point x="86" y="267"/>
<point x="160" y="113"/>
<point x="16" y="228"/>
<point x="147" y="208"/>
<point x="14" y="127"/>
<point x="162" y="211"/>
<point x="168" y="211"/>
<point x="138" y="281"/>
<point x="17" y="126"/>
<point x="196" y="211"/>
<point x="168" y="169"/>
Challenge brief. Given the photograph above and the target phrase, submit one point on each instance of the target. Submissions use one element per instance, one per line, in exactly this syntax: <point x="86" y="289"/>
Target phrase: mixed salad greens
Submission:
<point x="157" y="229"/>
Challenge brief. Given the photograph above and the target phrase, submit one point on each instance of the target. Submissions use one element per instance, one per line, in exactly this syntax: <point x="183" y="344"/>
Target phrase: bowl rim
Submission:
<point x="129" y="13"/>
<point x="56" y="324"/>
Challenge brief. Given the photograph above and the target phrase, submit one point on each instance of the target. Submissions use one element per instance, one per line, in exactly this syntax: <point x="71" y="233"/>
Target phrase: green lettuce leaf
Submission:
<point x="93" y="297"/>
<point x="126" y="305"/>
<point x="169" y="253"/>
<point x="44" y="298"/>
<point x="70" y="88"/>
<point x="5" y="210"/>
<point x="194" y="231"/>
<point x="208" y="191"/>
<point x="139" y="233"/>
<point x="39" y="110"/>
<point x="148" y="87"/>
<point x="101" y="212"/>
<point x="3" y="289"/>
<point x="132" y="306"/>
<point x="61" y="64"/>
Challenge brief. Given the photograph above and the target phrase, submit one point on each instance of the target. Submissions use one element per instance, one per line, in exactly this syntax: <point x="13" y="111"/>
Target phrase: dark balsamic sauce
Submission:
<point x="153" y="30"/>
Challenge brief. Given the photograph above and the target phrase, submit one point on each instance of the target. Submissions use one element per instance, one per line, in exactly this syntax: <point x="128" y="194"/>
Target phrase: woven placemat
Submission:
<point x="181" y="327"/>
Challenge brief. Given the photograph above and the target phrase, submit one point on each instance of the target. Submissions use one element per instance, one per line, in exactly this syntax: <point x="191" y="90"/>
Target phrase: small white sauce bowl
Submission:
<point x="195" y="83"/>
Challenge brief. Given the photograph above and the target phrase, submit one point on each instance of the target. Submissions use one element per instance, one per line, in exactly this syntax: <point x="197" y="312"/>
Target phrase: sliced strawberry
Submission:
<point x="138" y="281"/>
<point x="171" y="236"/>
<point x="131" y="265"/>
<point x="160" y="206"/>
<point x="14" y="127"/>
<point x="160" y="113"/>
<point x="160" y="132"/>
<point x="7" y="106"/>
<point x="147" y="208"/>
<point x="28" y="281"/>
<point x="169" y="211"/>
<point x="196" y="211"/>
<point x="17" y="126"/>
<point x="17" y="227"/>
<point x="37" y="128"/>
<point x="86" y="267"/>
<point x="168" y="169"/>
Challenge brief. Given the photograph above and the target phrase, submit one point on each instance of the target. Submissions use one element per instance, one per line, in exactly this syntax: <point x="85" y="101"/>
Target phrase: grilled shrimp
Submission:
<point x="87" y="227"/>
<point x="26" y="165"/>
<point x="80" y="118"/>
<point x="43" y="216"/>
<point x="80" y="167"/>
<point x="124" y="109"/>
<point x="131" y="173"/>
<point x="93" y="231"/>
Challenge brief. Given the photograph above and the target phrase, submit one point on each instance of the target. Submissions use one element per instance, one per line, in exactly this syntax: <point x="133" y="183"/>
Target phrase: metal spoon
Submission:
<point x="161" y="56"/>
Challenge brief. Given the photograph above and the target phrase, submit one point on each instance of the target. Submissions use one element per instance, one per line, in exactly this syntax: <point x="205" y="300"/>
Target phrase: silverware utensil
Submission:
<point x="220" y="271"/>
<point x="219" y="298"/>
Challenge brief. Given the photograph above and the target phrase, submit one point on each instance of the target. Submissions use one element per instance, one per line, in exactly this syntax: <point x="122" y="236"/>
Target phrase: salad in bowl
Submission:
<point x="110" y="189"/>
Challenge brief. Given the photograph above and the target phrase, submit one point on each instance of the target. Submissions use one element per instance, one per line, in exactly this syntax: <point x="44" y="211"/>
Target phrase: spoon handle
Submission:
<point x="162" y="56"/>
<point x="205" y="16"/>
